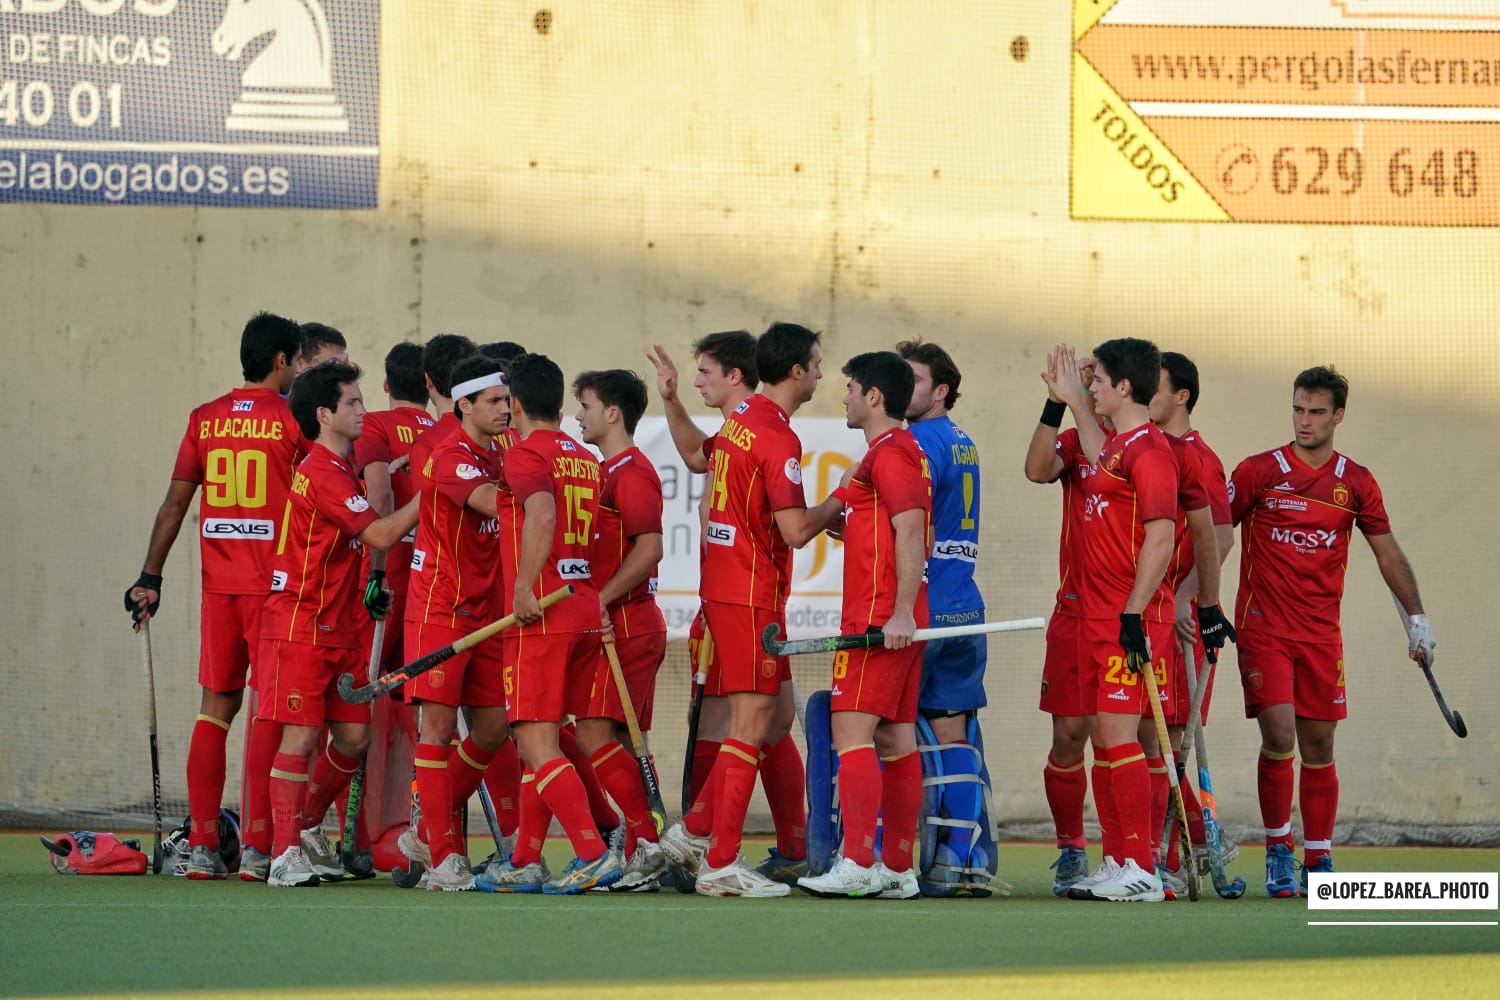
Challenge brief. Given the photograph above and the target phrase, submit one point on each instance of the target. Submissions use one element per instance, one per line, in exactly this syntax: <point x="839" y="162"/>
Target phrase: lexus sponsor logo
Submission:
<point x="1305" y="541"/>
<point x="418" y="559"/>
<point x="237" y="527"/>
<point x="720" y="534"/>
<point x="573" y="569"/>
<point x="278" y="579"/>
<point x="956" y="549"/>
<point x="410" y="537"/>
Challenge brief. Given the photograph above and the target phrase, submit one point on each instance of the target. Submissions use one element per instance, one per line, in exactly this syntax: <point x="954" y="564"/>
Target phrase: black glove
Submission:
<point x="1133" y="641"/>
<point x="1215" y="628"/>
<point x="148" y="581"/>
<point x="377" y="595"/>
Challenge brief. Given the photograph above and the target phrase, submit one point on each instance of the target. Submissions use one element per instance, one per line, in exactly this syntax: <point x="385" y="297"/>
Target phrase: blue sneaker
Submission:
<point x="1071" y="865"/>
<point x="581" y="876"/>
<point x="784" y="870"/>
<point x="1281" y="872"/>
<point x="506" y="877"/>
<point x="1324" y="864"/>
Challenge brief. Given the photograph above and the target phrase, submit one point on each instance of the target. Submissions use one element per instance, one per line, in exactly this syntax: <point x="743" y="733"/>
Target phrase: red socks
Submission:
<point x="467" y="766"/>
<point x="901" y="806"/>
<point x="605" y="817"/>
<point x="265" y="742"/>
<point x="1319" y="799"/>
<point x="435" y="790"/>
<point x="699" y="820"/>
<point x="558" y="784"/>
<point x="1273" y="779"/>
<point x="1161" y="791"/>
<point x="1130" y="789"/>
<point x="503" y="779"/>
<point x="705" y="755"/>
<point x="205" y="779"/>
<point x="288" y="794"/>
<point x="784" y="778"/>
<point x="330" y="775"/>
<point x="1104" y="806"/>
<point x="1066" y="785"/>
<point x="618" y="773"/>
<point x="734" y="775"/>
<point x="535" y="820"/>
<point x="859" y="802"/>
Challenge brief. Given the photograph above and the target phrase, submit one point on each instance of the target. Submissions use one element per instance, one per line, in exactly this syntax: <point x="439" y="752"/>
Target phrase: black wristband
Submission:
<point x="151" y="581"/>
<point x="1052" y="413"/>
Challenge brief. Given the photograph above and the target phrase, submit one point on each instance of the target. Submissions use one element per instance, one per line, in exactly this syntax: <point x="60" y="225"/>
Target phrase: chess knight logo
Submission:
<point x="288" y="87"/>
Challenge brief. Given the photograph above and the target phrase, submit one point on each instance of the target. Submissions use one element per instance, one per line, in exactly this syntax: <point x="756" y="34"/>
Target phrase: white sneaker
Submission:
<point x="452" y="875"/>
<point x="847" y="878"/>
<point x="737" y="879"/>
<point x="292" y="869"/>
<point x="897" y="885"/>
<point x="644" y="870"/>
<point x="685" y="849"/>
<point x="322" y="855"/>
<point x="1084" y="887"/>
<point x="411" y="845"/>
<point x="1130" y="885"/>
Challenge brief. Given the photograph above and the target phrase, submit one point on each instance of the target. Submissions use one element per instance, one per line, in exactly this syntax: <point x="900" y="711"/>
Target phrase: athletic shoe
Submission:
<point x="1323" y="864"/>
<point x="847" y="879"/>
<point x="1228" y="850"/>
<point x="644" y="870"/>
<point x="1130" y="885"/>
<point x="687" y="850"/>
<point x="254" y="866"/>
<point x="581" y="876"/>
<point x="614" y="839"/>
<point x="292" y="869"/>
<point x="1173" y="882"/>
<point x="411" y="845"/>
<point x="507" y="844"/>
<point x="1084" y="887"/>
<point x="360" y="866"/>
<point x="736" y="879"/>
<point x="204" y="865"/>
<point x="452" y="875"/>
<point x="897" y="885"/>
<point x="322" y="855"/>
<point x="1281" y="872"/>
<point x="506" y="877"/>
<point x="780" y="869"/>
<point x="1072" y="866"/>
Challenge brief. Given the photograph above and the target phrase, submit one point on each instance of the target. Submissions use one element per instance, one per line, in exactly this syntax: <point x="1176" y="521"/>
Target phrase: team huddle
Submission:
<point x="341" y="541"/>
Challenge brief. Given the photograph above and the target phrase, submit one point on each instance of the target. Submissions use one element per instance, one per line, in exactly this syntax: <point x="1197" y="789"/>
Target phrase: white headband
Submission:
<point x="476" y="384"/>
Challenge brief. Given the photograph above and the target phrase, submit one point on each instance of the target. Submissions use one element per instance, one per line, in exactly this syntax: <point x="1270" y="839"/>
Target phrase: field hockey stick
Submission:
<point x="486" y="804"/>
<point x="771" y="641"/>
<point x="695" y="711"/>
<point x="155" y="752"/>
<point x="389" y="682"/>
<point x="1169" y="822"/>
<point x="1454" y="720"/>
<point x="642" y="757"/>
<point x="1149" y="673"/>
<point x="357" y="783"/>
<point x="1223" y="885"/>
<point x="410" y="876"/>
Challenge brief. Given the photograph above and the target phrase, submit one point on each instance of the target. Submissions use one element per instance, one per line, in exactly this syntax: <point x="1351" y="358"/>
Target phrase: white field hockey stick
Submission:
<point x="772" y="643"/>
<point x="155" y="753"/>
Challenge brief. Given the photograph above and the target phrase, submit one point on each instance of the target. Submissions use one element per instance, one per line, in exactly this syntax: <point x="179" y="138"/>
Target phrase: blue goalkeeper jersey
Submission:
<point x="952" y="596"/>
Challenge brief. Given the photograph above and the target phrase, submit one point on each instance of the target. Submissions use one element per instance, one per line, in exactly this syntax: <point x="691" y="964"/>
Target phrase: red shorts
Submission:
<point x="878" y="681"/>
<point x="230" y="639"/>
<point x="1066" y="690"/>
<point x="1308" y="676"/>
<point x="473" y="677"/>
<point x="741" y="665"/>
<point x="1119" y="690"/>
<point x="298" y="683"/>
<point x="548" y="677"/>
<point x="640" y="658"/>
<point x="1179" y="707"/>
<point x="393" y="650"/>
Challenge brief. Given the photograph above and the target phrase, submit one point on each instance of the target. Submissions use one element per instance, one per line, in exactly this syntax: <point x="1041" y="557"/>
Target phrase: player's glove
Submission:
<point x="377" y="595"/>
<point x="1215" y="628"/>
<point x="151" y="581"/>
<point x="1419" y="640"/>
<point x="1133" y="641"/>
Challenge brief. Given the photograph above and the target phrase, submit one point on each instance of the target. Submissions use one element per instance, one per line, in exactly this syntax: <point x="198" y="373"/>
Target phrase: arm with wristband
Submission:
<point x="143" y="598"/>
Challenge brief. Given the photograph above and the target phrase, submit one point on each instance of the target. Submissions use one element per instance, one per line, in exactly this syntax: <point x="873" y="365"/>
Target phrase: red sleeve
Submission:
<point x="1154" y="476"/>
<point x="1067" y="443"/>
<point x="188" y="468"/>
<point x="527" y="473"/>
<point x="374" y="445"/>
<point x="1242" y="490"/>
<point x="781" y="465"/>
<point x="897" y="475"/>
<point x="340" y="501"/>
<point x="455" y="476"/>
<point x="708" y="447"/>
<point x="1370" y="516"/>
<point x="1192" y="488"/>
<point x="639" y="501"/>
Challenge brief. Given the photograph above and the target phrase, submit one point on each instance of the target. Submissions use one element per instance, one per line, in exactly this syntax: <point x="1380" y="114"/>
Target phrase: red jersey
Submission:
<point x="892" y="478"/>
<point x="315" y="585"/>
<point x="241" y="448"/>
<point x="755" y="469"/>
<point x="1192" y="494"/>
<point x="510" y="527"/>
<point x="387" y="436"/>
<point x="630" y="505"/>
<point x="1134" y="481"/>
<point x="551" y="462"/>
<point x="457" y="553"/>
<point x="443" y="430"/>
<point x="1074" y="479"/>
<point x="1294" y="536"/>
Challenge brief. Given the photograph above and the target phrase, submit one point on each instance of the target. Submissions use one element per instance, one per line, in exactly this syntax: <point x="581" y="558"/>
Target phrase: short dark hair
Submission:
<point x="888" y="372"/>
<point x="1135" y="359"/>
<point x="731" y="349"/>
<point x="781" y="348"/>
<point x="537" y="384"/>
<point x="403" y="372"/>
<point x="616" y="387"/>
<point x="1181" y="374"/>
<point x="1324" y="377"/>
<point x="439" y="356"/>
<point x="319" y="386"/>
<point x="503" y="351"/>
<point x="264" y="337"/>
<point x="938" y="361"/>
<point x="316" y="336"/>
<point x="472" y="366"/>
